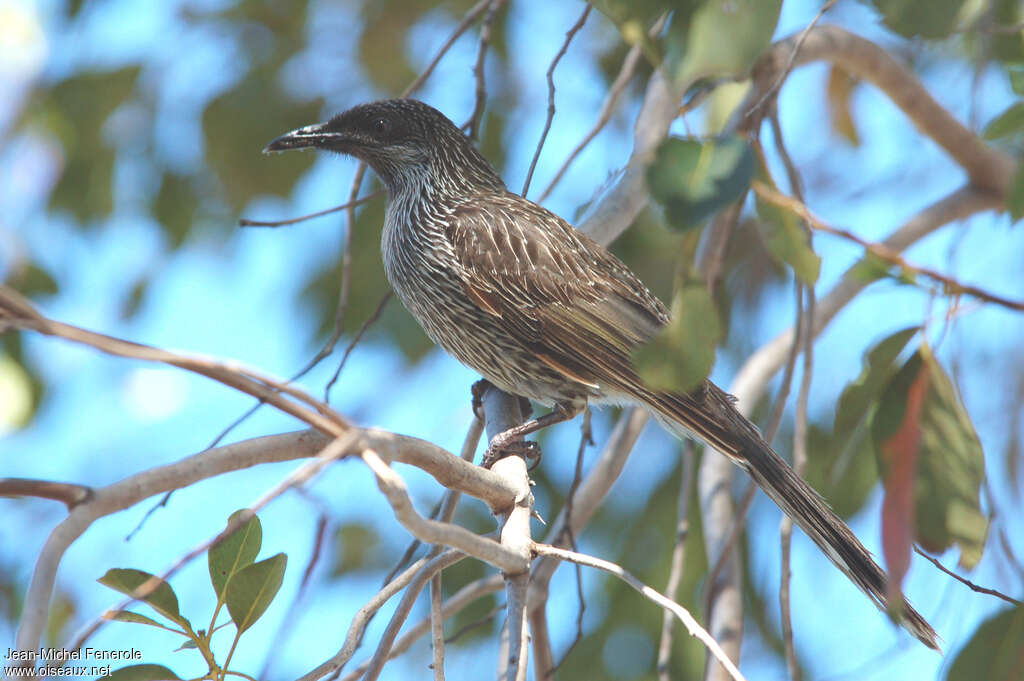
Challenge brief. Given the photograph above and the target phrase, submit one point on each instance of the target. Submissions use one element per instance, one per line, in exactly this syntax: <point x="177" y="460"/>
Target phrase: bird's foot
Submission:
<point x="499" y="449"/>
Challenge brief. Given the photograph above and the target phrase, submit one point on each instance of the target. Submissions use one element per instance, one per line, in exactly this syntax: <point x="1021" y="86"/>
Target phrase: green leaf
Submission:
<point x="1010" y="122"/>
<point x="913" y="18"/>
<point x="161" y="599"/>
<point x="1015" y="197"/>
<point x="142" y="672"/>
<point x="251" y="589"/>
<point x="784" y="236"/>
<point x="950" y="460"/>
<point x="858" y="399"/>
<point x="693" y="179"/>
<point x="354" y="548"/>
<point x="32" y="280"/>
<point x="723" y="39"/>
<point x="681" y="355"/>
<point x="136" y="618"/>
<point x="235" y="551"/>
<point x="1016" y="73"/>
<point x="994" y="652"/>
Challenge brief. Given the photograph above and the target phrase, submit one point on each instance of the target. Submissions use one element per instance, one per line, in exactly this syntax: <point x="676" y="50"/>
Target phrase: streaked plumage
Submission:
<point x="540" y="309"/>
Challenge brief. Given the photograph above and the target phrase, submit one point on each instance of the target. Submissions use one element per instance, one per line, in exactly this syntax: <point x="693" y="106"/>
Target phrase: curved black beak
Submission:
<point x="311" y="136"/>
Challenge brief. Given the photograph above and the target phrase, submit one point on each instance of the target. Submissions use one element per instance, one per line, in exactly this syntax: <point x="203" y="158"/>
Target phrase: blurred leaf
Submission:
<point x="913" y="18"/>
<point x="693" y="180"/>
<point x="950" y="464"/>
<point x="382" y="43"/>
<point x="354" y="544"/>
<point x="841" y="468"/>
<point x="175" y="207"/>
<point x="73" y="112"/>
<point x="237" y="125"/>
<point x="1015" y="197"/>
<point x="31" y="280"/>
<point x="1016" y="75"/>
<point x="899" y="452"/>
<point x="17" y="395"/>
<point x="635" y="17"/>
<point x="135" y="618"/>
<point x="680" y="356"/>
<point x="1004" y="43"/>
<point x="994" y="652"/>
<point x="1010" y="122"/>
<point x="785" y="237"/>
<point x="136" y="294"/>
<point x="162" y="598"/>
<point x="236" y="551"/>
<point x="141" y="672"/>
<point x="859" y="398"/>
<point x="723" y="39"/>
<point x="251" y="590"/>
<point x="839" y="92"/>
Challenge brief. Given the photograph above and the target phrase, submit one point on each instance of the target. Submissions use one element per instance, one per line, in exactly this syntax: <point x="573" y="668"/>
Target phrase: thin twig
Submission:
<point x="437" y="627"/>
<point x="675" y="575"/>
<point x="569" y="35"/>
<point x="791" y="61"/>
<point x="370" y="321"/>
<point x="246" y="222"/>
<point x="950" y="286"/>
<point x="616" y="89"/>
<point x="966" y="582"/>
<point x="467" y="21"/>
<point x="479" y="70"/>
<point x="691" y="624"/>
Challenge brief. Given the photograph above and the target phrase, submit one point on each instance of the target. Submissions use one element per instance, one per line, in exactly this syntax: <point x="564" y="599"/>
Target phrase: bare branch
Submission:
<point x="679" y="611"/>
<point x="70" y="494"/>
<point x="412" y="592"/>
<point x="950" y="286"/>
<point x="966" y="582"/>
<point x="675" y="575"/>
<point x="434" y="532"/>
<point x="616" y="89"/>
<point x="569" y="35"/>
<point x="245" y="222"/>
<point x="988" y="169"/>
<point x="436" y="627"/>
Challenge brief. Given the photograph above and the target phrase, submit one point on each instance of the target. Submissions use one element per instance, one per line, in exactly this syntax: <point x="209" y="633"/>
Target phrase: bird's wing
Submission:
<point x="574" y="304"/>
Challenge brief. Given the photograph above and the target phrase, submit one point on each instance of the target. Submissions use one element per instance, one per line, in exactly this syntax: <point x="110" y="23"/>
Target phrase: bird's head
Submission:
<point x="405" y="141"/>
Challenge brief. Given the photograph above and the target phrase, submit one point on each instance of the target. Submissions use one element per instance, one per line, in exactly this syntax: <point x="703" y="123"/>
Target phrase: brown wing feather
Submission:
<point x="574" y="304"/>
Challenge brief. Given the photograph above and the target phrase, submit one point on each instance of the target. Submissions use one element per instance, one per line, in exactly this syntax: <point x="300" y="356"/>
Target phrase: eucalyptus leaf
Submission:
<point x="235" y="551"/>
<point x="681" y="355"/>
<point x="142" y="672"/>
<point x="250" y="591"/>
<point x="694" y="179"/>
<point x="161" y="598"/>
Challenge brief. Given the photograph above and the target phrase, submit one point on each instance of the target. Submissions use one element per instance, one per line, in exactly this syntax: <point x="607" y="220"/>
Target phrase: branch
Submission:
<point x="988" y="169"/>
<point x="679" y="611"/>
<point x="757" y="371"/>
<point x="950" y="286"/>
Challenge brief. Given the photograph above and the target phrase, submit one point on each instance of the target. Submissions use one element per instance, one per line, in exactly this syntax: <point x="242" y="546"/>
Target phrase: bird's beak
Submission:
<point x="311" y="136"/>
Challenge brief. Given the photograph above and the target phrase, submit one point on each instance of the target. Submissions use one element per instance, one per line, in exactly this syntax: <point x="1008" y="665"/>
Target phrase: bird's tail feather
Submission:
<point x="708" y="413"/>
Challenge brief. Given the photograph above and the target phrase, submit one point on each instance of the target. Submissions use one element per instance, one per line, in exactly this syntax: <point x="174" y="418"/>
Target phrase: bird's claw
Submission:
<point x="499" y="450"/>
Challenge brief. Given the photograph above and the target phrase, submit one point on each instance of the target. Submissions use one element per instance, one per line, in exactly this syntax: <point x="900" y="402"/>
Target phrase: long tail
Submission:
<point x="708" y="414"/>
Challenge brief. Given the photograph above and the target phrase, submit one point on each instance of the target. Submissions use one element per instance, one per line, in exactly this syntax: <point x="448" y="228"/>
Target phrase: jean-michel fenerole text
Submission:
<point x="61" y="654"/>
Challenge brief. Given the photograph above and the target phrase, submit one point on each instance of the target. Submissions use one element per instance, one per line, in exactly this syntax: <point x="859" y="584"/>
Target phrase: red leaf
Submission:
<point x="900" y="454"/>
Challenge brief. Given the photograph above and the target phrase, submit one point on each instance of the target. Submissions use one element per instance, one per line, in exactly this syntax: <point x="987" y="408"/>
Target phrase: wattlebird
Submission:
<point x="543" y="311"/>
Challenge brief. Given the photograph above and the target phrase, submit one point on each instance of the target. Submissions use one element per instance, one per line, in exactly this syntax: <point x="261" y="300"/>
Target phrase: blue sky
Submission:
<point x="234" y="297"/>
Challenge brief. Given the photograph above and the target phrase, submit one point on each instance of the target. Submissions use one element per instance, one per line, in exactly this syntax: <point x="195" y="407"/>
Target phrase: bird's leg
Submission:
<point x="478" y="390"/>
<point x="511" y="440"/>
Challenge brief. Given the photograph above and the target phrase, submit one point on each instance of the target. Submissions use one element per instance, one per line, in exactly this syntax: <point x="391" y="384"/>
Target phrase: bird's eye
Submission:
<point x="382" y="126"/>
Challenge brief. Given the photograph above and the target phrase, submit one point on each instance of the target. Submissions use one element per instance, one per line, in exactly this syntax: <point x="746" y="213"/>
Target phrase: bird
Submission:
<point x="544" y="312"/>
